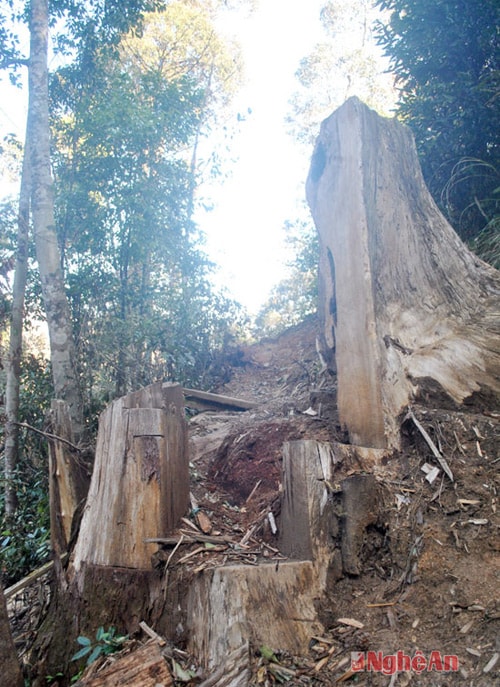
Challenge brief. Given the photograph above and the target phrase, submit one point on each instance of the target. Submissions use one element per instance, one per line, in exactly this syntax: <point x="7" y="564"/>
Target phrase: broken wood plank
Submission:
<point x="144" y="667"/>
<point x="204" y="400"/>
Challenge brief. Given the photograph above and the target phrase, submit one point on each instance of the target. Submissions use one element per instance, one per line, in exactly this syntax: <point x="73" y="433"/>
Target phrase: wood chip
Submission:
<point x="272" y="522"/>
<point x="322" y="663"/>
<point x="346" y="676"/>
<point x="351" y="622"/>
<point x="391" y="618"/>
<point x="491" y="663"/>
<point x="466" y="627"/>
<point x="204" y="522"/>
<point x="323" y="640"/>
<point x="473" y="652"/>
<point x="382" y="605"/>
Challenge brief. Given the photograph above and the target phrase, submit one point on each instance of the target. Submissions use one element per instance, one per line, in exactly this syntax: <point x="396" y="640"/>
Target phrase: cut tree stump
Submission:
<point x="280" y="604"/>
<point x="139" y="490"/>
<point x="140" y="484"/>
<point x="408" y="312"/>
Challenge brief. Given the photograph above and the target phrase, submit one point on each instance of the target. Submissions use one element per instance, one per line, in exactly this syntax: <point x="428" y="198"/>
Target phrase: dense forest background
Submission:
<point x="101" y="242"/>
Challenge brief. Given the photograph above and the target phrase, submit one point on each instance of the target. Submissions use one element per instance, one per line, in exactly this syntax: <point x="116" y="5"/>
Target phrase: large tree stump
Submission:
<point x="139" y="490"/>
<point x="140" y="484"/>
<point x="408" y="311"/>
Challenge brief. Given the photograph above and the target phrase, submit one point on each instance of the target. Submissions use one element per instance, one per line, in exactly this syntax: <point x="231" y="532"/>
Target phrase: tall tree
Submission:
<point x="66" y="386"/>
<point x="85" y="27"/>
<point x="14" y="356"/>
<point x="446" y="59"/>
<point x="126" y="178"/>
<point x="347" y="61"/>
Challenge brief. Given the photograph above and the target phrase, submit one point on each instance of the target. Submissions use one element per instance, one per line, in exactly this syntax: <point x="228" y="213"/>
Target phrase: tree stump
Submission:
<point x="144" y="667"/>
<point x="408" y="312"/>
<point x="139" y="490"/>
<point x="140" y="484"/>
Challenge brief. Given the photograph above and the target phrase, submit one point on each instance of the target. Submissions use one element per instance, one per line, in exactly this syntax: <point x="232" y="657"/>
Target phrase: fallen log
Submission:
<point x="204" y="400"/>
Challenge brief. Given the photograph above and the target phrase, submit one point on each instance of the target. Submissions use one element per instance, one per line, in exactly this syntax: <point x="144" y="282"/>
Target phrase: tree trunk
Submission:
<point x="10" y="675"/>
<point x="408" y="312"/>
<point x="16" y="334"/>
<point x="66" y="385"/>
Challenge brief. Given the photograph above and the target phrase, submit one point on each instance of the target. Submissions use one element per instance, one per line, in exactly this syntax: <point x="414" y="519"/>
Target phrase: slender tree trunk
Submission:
<point x="13" y="363"/>
<point x="10" y="670"/>
<point x="66" y="385"/>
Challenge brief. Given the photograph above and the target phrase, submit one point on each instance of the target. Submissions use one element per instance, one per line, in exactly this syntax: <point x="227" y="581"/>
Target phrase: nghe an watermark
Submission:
<point x="389" y="664"/>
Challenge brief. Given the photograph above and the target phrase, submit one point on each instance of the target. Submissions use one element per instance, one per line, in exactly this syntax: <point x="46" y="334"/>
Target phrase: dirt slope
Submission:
<point x="431" y="569"/>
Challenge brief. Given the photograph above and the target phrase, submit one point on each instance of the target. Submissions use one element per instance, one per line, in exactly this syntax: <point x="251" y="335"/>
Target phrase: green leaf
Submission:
<point x="80" y="654"/>
<point x="83" y="641"/>
<point x="268" y="653"/>
<point x="95" y="654"/>
<point x="99" y="634"/>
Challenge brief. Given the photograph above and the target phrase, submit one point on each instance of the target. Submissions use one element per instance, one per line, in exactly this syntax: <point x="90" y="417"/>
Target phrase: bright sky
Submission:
<point x="245" y="230"/>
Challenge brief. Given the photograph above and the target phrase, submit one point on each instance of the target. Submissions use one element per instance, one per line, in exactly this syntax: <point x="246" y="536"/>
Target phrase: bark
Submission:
<point x="409" y="313"/>
<point x="65" y="380"/>
<point x="10" y="674"/>
<point x="13" y="363"/>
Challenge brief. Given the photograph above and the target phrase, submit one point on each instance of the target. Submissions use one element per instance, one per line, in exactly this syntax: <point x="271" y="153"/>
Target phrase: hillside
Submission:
<point x="428" y="564"/>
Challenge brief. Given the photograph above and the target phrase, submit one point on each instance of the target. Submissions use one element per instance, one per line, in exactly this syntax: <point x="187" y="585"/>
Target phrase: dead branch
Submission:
<point x="48" y="435"/>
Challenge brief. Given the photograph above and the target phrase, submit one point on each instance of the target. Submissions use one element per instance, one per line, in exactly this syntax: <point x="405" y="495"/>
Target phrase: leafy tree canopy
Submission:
<point x="125" y="180"/>
<point x="345" y="62"/>
<point x="446" y="59"/>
